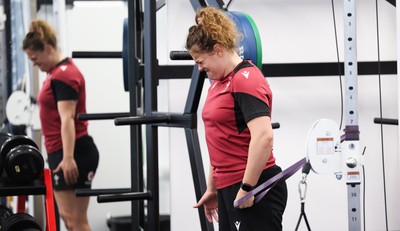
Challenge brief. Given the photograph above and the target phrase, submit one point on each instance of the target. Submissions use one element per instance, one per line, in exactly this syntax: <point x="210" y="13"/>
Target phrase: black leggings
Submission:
<point x="266" y="215"/>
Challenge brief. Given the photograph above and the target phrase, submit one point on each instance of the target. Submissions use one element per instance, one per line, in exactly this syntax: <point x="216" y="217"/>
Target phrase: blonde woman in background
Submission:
<point x="72" y="154"/>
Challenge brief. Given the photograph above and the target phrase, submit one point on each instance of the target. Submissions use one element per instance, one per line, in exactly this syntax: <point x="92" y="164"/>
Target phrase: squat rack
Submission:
<point x="152" y="119"/>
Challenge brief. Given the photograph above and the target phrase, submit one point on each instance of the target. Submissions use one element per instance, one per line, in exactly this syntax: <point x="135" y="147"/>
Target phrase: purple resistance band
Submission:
<point x="267" y="185"/>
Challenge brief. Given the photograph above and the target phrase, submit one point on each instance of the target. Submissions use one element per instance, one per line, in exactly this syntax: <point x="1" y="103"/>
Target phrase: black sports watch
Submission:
<point x="246" y="187"/>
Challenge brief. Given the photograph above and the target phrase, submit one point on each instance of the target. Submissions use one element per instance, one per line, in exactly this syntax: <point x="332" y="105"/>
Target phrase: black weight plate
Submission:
<point x="14" y="141"/>
<point x="5" y="213"/>
<point x="24" y="164"/>
<point x="21" y="222"/>
<point x="3" y="137"/>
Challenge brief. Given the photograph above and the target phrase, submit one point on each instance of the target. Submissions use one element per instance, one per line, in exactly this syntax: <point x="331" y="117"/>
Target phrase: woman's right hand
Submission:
<point x="70" y="170"/>
<point x="210" y="202"/>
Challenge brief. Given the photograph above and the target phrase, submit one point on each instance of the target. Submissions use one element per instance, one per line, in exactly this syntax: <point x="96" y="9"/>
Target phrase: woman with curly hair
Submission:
<point x="239" y="135"/>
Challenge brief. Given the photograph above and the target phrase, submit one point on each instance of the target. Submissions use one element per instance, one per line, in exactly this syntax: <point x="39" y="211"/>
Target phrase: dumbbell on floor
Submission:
<point x="17" y="222"/>
<point x="20" y="222"/>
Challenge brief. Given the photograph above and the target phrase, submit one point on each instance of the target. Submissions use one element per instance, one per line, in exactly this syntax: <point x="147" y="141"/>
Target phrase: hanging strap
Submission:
<point x="302" y="192"/>
<point x="303" y="214"/>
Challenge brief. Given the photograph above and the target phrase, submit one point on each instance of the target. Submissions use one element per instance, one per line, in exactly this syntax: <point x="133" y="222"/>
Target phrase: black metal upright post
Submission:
<point x="3" y="93"/>
<point x="7" y="11"/>
<point x="150" y="105"/>
<point x="134" y="134"/>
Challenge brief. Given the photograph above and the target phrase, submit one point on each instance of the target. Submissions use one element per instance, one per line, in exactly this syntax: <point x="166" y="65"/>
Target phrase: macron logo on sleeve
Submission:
<point x="246" y="74"/>
<point x="63" y="67"/>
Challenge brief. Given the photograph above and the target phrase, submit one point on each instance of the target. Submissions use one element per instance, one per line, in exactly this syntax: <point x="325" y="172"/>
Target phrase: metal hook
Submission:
<point x="302" y="190"/>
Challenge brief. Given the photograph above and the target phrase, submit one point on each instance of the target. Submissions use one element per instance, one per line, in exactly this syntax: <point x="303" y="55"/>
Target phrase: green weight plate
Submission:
<point x="258" y="40"/>
<point x="247" y="46"/>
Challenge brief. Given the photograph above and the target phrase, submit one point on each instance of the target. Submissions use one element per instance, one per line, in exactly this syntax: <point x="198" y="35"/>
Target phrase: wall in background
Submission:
<point x="291" y="31"/>
<point x="303" y="32"/>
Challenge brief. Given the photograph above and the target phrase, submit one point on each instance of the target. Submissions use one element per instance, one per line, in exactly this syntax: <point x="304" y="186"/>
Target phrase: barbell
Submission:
<point x="249" y="46"/>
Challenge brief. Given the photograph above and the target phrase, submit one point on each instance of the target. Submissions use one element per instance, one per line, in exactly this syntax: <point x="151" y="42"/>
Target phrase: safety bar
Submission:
<point x="386" y="121"/>
<point x="124" y="197"/>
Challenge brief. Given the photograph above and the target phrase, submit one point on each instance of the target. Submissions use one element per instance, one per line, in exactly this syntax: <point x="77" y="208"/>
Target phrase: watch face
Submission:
<point x="246" y="187"/>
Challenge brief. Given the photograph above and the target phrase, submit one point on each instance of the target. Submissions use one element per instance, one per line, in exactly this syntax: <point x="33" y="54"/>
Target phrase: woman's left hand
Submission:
<point x="248" y="203"/>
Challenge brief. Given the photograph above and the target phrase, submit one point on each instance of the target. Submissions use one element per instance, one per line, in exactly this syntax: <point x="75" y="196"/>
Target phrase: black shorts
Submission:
<point x="86" y="157"/>
<point x="264" y="215"/>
